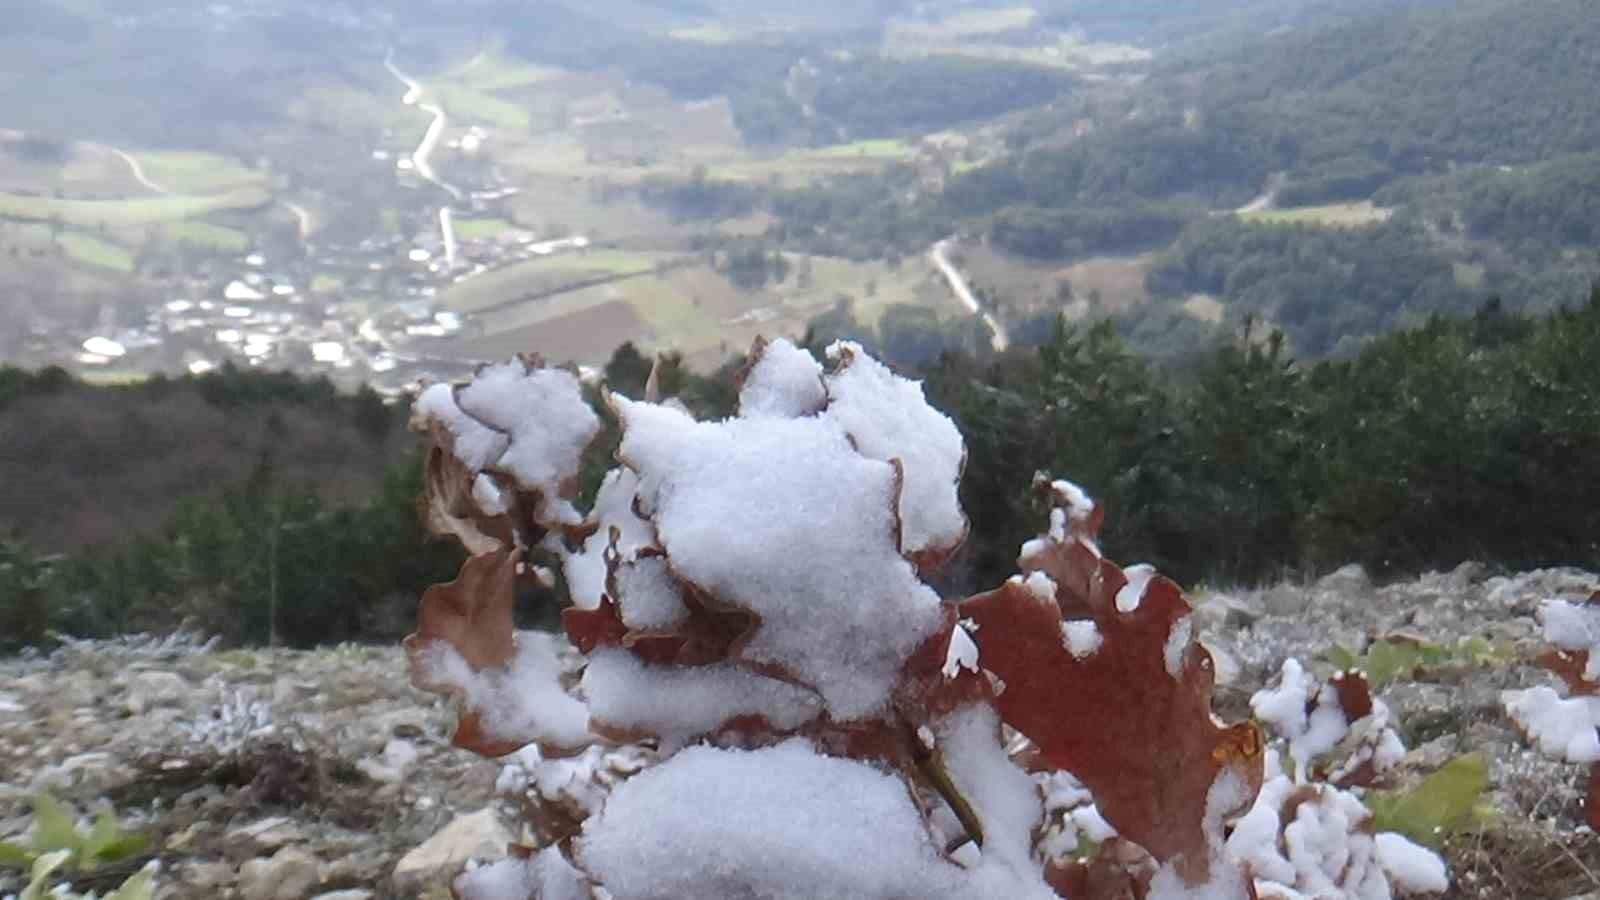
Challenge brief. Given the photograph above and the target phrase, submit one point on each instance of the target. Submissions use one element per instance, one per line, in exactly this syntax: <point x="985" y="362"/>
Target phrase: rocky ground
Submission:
<point x="280" y="775"/>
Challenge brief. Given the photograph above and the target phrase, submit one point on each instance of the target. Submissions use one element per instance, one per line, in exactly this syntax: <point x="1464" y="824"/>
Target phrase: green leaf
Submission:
<point x="39" y="878"/>
<point x="107" y="842"/>
<point x="1444" y="802"/>
<point x="16" y="855"/>
<point x="53" y="826"/>
<point x="1342" y="658"/>
<point x="139" y="886"/>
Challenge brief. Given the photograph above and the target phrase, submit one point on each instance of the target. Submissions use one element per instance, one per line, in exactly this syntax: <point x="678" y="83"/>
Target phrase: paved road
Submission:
<point x="939" y="255"/>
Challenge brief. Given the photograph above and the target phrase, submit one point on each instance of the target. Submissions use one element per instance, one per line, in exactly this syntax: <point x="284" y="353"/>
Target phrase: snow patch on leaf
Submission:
<point x="888" y="417"/>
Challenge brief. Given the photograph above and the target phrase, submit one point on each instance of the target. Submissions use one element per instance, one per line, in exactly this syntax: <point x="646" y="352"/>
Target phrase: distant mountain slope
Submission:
<point x="1500" y="81"/>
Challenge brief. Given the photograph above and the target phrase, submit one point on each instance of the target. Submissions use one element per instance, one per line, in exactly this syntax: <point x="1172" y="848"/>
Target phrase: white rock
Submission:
<point x="351" y="894"/>
<point x="289" y="874"/>
<point x="147" y="690"/>
<point x="476" y="835"/>
<point x="264" y="836"/>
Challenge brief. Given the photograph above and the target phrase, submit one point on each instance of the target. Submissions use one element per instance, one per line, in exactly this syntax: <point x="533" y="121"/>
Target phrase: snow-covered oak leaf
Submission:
<point x="780" y="379"/>
<point x="1315" y="840"/>
<point x="1567" y="728"/>
<point x="783" y="519"/>
<point x="514" y="437"/>
<point x="887" y="417"/>
<point x="589" y="629"/>
<point x="509" y="683"/>
<point x="1120" y="698"/>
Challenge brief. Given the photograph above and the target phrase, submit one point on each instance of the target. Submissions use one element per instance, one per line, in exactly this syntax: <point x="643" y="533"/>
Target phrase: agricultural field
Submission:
<point x="205" y="234"/>
<point x="483" y="229"/>
<point x="84" y="249"/>
<point x="189" y="172"/>
<point x="503" y="285"/>
<point x="130" y="212"/>
<point x="698" y="312"/>
<point x="1104" y="284"/>
<point x="1334" y="215"/>
<point x="798" y="166"/>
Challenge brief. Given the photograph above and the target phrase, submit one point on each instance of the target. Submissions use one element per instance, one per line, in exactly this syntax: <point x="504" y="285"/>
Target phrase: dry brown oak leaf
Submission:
<point x="473" y="615"/>
<point x="1143" y="741"/>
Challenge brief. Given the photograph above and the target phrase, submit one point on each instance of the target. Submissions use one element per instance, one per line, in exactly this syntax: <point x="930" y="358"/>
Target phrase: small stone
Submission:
<point x="1346" y="580"/>
<point x="476" y="835"/>
<point x="1285" y="600"/>
<point x="289" y="874"/>
<point x="351" y="894"/>
<point x="264" y="836"/>
<point x="206" y="875"/>
<point x="148" y="690"/>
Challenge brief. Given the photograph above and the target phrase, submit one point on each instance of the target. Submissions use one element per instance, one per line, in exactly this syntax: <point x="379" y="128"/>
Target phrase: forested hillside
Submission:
<point x="1453" y="440"/>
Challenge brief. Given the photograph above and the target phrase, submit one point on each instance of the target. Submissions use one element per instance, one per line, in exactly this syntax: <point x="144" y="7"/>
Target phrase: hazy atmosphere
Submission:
<point x="1295" y="302"/>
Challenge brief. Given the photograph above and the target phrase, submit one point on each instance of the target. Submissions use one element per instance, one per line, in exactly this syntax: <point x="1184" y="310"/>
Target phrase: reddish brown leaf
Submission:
<point x="472" y="615"/>
<point x="1143" y="740"/>
<point x="1569" y="666"/>
<point x="1354" y="693"/>
<point x="591" y="628"/>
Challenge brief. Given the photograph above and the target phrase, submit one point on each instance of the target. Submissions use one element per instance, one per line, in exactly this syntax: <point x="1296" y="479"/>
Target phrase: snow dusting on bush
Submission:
<point x="775" y="703"/>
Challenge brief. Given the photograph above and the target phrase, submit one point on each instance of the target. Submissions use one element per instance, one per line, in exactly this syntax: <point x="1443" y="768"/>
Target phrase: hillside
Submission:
<point x="95" y="466"/>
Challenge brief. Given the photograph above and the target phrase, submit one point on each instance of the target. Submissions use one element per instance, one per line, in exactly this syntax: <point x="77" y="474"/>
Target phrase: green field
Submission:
<point x="479" y="229"/>
<point x="492" y="71"/>
<point x="187" y="172"/>
<point x="87" y="249"/>
<point x="803" y="164"/>
<point x="474" y="107"/>
<point x="1334" y="215"/>
<point x="93" y="251"/>
<point x="510" y="282"/>
<point x="205" y="234"/>
<point x="127" y="213"/>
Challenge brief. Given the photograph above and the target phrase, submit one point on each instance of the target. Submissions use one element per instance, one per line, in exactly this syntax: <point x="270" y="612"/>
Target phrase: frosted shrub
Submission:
<point x="772" y="701"/>
<point x="1567" y="727"/>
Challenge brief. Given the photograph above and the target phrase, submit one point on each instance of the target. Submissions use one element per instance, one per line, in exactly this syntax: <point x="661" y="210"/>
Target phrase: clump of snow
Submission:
<point x="547" y="423"/>
<point x="678" y="704"/>
<point x="1563" y="728"/>
<point x="1081" y="637"/>
<point x="785" y="381"/>
<point x="887" y="417"/>
<point x="649" y="596"/>
<point x="962" y="654"/>
<point x="1325" y="848"/>
<point x="1303" y="712"/>
<point x="783" y="518"/>
<point x="1566" y="728"/>
<point x="522" y="702"/>
<point x="585" y="568"/>
<point x="846" y="829"/>
<point x="1005" y="799"/>
<point x="1130" y="595"/>
<point x="546" y="875"/>
<point x="1071" y="816"/>
<point x="526" y="425"/>
<point x="475" y="445"/>
<point x="1177" y="646"/>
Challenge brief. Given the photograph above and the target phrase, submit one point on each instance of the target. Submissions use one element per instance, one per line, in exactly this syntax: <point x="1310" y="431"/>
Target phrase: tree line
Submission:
<point x="1456" y="439"/>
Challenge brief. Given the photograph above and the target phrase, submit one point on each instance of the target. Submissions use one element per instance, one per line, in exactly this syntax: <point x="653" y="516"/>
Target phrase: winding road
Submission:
<point x="420" y="158"/>
<point x="138" y="170"/>
<point x="940" y="258"/>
